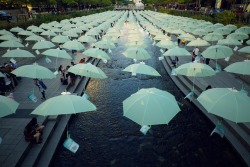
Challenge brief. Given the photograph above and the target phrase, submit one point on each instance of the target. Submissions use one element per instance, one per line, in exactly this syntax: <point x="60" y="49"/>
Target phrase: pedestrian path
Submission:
<point x="237" y="134"/>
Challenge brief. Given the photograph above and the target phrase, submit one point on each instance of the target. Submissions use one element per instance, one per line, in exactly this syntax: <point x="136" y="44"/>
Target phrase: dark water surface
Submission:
<point x="106" y="138"/>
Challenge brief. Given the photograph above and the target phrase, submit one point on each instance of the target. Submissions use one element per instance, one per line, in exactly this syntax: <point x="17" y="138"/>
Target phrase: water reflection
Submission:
<point x="107" y="138"/>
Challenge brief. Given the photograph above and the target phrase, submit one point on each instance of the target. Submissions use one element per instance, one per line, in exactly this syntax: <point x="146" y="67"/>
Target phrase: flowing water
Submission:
<point x="106" y="138"/>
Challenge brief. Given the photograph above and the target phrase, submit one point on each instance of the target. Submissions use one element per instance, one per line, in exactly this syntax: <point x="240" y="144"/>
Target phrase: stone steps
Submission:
<point x="237" y="134"/>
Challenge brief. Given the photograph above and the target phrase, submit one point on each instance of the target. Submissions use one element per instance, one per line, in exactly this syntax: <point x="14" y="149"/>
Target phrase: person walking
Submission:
<point x="41" y="86"/>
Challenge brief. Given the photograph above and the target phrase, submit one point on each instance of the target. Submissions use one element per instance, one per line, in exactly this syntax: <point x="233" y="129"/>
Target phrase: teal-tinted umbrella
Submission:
<point x="5" y="32"/>
<point x="26" y="33"/>
<point x="9" y="38"/>
<point x="57" y="53"/>
<point x="8" y="106"/>
<point x="223" y="31"/>
<point x="34" y="38"/>
<point x="229" y="41"/>
<point x="227" y="103"/>
<point x="177" y="51"/>
<point x="87" y="39"/>
<point x="37" y="30"/>
<point x="245" y="49"/>
<point x="49" y="33"/>
<point x="198" y="42"/>
<point x="239" y="68"/>
<point x="217" y="52"/>
<point x="150" y="107"/>
<point x="167" y="44"/>
<point x="200" y="32"/>
<point x="60" y="39"/>
<point x="141" y="68"/>
<point x="33" y="71"/>
<point x="64" y="104"/>
<point x="137" y="53"/>
<point x="238" y="36"/>
<point x="87" y="70"/>
<point x="18" y="53"/>
<point x="213" y="37"/>
<point x="43" y="45"/>
<point x="244" y="29"/>
<point x="11" y="44"/>
<point x="96" y="53"/>
<point x="187" y="37"/>
<point x="16" y="29"/>
<point x="105" y="45"/>
<point x="73" y="45"/>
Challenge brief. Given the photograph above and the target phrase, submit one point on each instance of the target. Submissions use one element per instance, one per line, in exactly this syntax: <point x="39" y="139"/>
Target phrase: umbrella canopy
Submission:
<point x="244" y="29"/>
<point x="238" y="36"/>
<point x="187" y="37"/>
<point x="200" y="32"/>
<point x="227" y="103"/>
<point x="16" y="29"/>
<point x="195" y="70"/>
<point x="136" y="53"/>
<point x="213" y="37"/>
<point x="217" y="52"/>
<point x="166" y="44"/>
<point x="48" y="33"/>
<point x="177" y="51"/>
<point x="96" y="53"/>
<point x="9" y="38"/>
<point x="150" y="107"/>
<point x="26" y="33"/>
<point x="87" y="39"/>
<point x="64" y="104"/>
<point x="73" y="45"/>
<point x="18" y="53"/>
<point x="8" y="106"/>
<point x="57" y="53"/>
<point x="198" y="42"/>
<point x="141" y="68"/>
<point x="11" y="44"/>
<point x="34" y="71"/>
<point x="229" y="41"/>
<point x="43" y="45"/>
<point x="223" y="31"/>
<point x="5" y="32"/>
<point x="34" y="38"/>
<point x="87" y="70"/>
<point x="245" y="49"/>
<point x="60" y="39"/>
<point x="239" y="68"/>
<point x="105" y="45"/>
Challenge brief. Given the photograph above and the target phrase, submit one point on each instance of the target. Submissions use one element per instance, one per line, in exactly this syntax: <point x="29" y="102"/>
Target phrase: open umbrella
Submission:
<point x="150" y="107"/>
<point x="73" y="45"/>
<point x="138" y="53"/>
<point x="177" y="51"/>
<point x="34" y="71"/>
<point x="166" y="44"/>
<point x="87" y="39"/>
<point x="227" y="103"/>
<point x="198" y="42"/>
<point x="57" y="53"/>
<point x="60" y="39"/>
<point x="238" y="36"/>
<point x="105" y="44"/>
<point x="217" y="52"/>
<point x="8" y="106"/>
<point x="64" y="104"/>
<point x="87" y="70"/>
<point x="11" y="44"/>
<point x="239" y="68"/>
<point x="9" y="38"/>
<point x="96" y="53"/>
<point x="34" y="38"/>
<point x="43" y="45"/>
<point x="244" y="29"/>
<point x="141" y="68"/>
<point x="229" y="41"/>
<point x="18" y="53"/>
<point x="195" y="70"/>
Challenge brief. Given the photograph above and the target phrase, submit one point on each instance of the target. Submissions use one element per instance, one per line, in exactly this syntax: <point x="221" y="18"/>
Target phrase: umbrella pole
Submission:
<point x="193" y="85"/>
<point x="139" y="84"/>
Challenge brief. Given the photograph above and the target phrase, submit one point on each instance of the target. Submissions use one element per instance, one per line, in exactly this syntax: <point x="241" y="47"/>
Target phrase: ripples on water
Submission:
<point x="106" y="138"/>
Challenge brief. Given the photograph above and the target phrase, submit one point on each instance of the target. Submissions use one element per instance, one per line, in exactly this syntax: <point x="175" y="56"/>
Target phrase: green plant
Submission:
<point x="225" y="17"/>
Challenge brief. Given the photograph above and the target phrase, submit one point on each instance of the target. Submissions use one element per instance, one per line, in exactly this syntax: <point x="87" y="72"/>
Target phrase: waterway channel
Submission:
<point x="106" y="138"/>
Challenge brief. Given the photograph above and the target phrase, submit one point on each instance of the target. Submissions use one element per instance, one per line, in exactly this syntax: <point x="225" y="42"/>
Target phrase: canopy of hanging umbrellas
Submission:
<point x="104" y="31"/>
